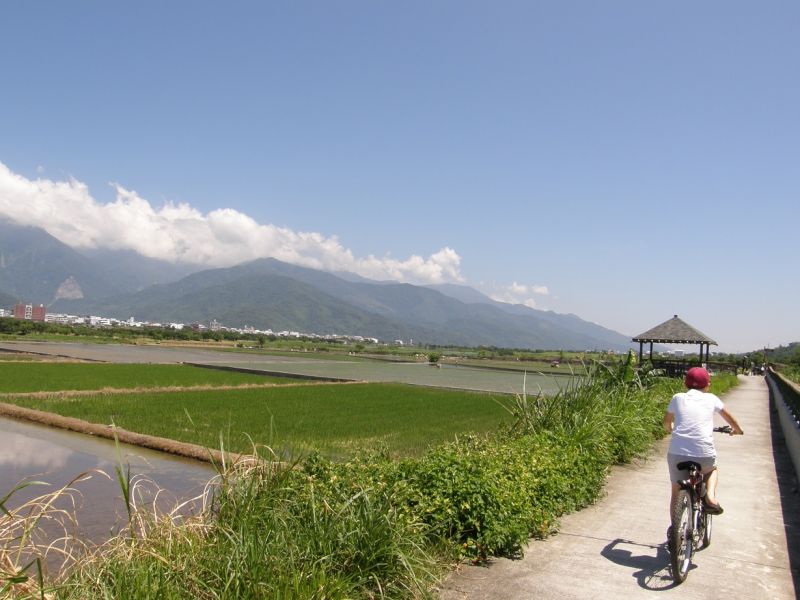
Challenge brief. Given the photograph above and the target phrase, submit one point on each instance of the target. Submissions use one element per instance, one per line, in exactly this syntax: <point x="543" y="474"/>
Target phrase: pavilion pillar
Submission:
<point x="651" y="351"/>
<point x="641" y="343"/>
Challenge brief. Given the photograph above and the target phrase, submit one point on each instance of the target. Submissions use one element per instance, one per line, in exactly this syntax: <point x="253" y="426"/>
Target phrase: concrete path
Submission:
<point x="617" y="548"/>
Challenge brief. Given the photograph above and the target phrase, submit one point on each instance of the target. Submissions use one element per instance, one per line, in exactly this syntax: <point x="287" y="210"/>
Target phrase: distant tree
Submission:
<point x="433" y="357"/>
<point x="794" y="359"/>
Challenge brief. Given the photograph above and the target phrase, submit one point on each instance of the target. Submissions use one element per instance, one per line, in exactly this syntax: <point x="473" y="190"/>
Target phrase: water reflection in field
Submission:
<point x="444" y="376"/>
<point x="35" y="452"/>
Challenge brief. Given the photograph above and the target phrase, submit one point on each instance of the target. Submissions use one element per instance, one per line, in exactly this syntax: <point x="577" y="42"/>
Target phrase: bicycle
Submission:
<point x="691" y="523"/>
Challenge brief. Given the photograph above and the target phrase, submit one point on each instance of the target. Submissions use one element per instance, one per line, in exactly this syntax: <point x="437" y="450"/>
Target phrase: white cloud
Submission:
<point x="518" y="293"/>
<point x="22" y="452"/>
<point x="179" y="233"/>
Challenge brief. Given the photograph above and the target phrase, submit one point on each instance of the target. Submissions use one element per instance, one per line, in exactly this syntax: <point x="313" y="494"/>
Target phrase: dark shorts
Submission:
<point x="707" y="464"/>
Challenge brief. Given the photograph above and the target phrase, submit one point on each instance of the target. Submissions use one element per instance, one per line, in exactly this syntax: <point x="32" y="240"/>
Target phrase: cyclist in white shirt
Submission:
<point x="690" y="420"/>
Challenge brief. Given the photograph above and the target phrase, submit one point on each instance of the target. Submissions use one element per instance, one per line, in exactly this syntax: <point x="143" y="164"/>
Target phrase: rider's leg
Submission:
<point x="711" y="486"/>
<point x="674" y="496"/>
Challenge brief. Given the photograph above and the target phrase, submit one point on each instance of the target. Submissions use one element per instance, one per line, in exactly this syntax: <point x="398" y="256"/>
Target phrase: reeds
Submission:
<point x="37" y="537"/>
<point x="264" y="531"/>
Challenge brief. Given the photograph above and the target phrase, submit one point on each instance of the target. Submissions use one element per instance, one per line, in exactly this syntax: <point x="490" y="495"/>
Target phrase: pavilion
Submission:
<point x="674" y="331"/>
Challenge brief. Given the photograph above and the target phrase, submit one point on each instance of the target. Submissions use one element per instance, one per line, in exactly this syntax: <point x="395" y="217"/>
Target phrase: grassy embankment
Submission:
<point x="374" y="527"/>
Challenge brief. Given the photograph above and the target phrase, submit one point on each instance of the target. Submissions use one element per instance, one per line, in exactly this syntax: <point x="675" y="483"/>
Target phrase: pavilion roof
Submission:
<point x="674" y="331"/>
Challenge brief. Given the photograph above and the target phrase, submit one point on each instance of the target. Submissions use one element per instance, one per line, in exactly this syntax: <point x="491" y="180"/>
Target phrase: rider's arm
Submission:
<point x="669" y="420"/>
<point x="732" y="422"/>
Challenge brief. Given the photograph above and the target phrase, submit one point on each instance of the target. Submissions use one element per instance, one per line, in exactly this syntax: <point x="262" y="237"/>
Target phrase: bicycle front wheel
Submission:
<point x="680" y="539"/>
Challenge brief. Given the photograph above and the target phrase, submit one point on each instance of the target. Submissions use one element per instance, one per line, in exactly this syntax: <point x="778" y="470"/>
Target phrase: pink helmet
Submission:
<point x="697" y="378"/>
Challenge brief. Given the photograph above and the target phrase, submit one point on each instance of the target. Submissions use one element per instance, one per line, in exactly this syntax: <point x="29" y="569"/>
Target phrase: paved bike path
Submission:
<point x="617" y="547"/>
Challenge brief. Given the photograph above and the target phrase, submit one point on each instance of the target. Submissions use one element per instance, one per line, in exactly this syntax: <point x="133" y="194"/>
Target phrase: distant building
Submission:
<point x="29" y="312"/>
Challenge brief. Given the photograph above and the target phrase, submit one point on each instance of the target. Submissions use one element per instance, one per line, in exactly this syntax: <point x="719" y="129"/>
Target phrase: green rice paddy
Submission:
<point x="337" y="419"/>
<point x="46" y="377"/>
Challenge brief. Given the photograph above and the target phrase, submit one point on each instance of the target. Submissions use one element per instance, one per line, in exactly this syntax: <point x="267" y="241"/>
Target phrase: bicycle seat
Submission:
<point x="688" y="464"/>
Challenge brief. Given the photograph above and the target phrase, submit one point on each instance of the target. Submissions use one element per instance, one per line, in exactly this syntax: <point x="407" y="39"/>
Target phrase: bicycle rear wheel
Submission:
<point x="680" y="541"/>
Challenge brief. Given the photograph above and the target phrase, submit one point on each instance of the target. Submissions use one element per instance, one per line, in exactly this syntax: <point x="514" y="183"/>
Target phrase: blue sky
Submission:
<point x="623" y="161"/>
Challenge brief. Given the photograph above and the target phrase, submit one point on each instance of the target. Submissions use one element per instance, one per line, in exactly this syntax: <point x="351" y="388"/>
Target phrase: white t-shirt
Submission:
<point x="693" y="433"/>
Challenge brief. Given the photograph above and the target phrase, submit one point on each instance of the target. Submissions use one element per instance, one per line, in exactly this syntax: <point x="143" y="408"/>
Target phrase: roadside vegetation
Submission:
<point x="789" y="366"/>
<point x="372" y="525"/>
<point x="792" y="373"/>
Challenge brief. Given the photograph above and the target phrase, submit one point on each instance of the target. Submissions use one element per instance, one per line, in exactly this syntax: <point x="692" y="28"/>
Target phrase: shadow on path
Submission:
<point x="789" y="493"/>
<point x="652" y="572"/>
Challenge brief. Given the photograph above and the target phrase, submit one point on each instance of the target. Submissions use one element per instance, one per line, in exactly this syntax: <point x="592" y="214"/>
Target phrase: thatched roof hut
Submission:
<point x="675" y="331"/>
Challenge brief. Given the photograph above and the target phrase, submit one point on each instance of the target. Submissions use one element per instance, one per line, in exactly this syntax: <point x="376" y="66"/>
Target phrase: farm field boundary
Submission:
<point x="106" y="391"/>
<point x="270" y="373"/>
<point x="520" y="369"/>
<point x="111" y="432"/>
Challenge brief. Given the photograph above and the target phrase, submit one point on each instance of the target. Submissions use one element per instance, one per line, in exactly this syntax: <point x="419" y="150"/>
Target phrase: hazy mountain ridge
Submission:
<point x="7" y="300"/>
<point x="270" y="294"/>
<point x="569" y="321"/>
<point x="34" y="265"/>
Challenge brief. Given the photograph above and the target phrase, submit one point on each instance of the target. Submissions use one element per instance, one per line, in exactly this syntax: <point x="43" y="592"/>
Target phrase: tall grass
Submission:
<point x="37" y="535"/>
<point x="270" y="533"/>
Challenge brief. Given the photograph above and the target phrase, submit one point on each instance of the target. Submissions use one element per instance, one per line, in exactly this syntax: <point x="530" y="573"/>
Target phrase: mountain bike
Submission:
<point x="691" y="523"/>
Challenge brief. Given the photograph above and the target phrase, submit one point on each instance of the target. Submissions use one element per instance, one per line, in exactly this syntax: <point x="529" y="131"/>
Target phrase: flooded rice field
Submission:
<point x="31" y="452"/>
<point x="35" y="452"/>
<point x="300" y="364"/>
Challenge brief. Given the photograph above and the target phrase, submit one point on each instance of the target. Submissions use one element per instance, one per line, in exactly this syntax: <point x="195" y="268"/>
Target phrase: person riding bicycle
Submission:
<point x="690" y="420"/>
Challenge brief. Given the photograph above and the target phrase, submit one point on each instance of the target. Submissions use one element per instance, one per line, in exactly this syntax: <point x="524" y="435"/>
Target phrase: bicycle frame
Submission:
<point x="695" y="485"/>
<point x="691" y="523"/>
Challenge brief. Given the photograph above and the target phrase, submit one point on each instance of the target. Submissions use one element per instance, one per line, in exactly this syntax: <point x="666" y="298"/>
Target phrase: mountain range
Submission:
<point x="270" y="294"/>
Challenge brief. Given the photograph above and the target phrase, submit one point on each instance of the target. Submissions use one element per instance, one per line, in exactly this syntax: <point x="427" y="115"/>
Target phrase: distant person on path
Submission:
<point x="690" y="420"/>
